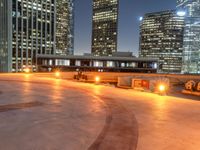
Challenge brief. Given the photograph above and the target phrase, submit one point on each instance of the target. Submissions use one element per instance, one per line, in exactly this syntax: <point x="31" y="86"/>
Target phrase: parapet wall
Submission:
<point x="113" y="77"/>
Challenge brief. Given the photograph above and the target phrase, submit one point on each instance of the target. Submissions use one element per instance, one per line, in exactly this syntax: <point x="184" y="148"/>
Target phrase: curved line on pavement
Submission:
<point x="120" y="131"/>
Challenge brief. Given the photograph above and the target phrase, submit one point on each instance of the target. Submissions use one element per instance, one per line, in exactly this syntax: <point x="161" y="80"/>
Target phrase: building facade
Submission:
<point x="65" y="27"/>
<point x="161" y="36"/>
<point x="28" y="28"/>
<point x="5" y="36"/>
<point x="105" y="25"/>
<point x="191" y="53"/>
<point x="117" y="63"/>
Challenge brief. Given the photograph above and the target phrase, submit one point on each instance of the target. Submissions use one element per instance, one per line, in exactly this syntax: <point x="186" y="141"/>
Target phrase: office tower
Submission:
<point x="5" y="36"/>
<point x="28" y="28"/>
<point x="65" y="27"/>
<point x="191" y="53"/>
<point x="105" y="24"/>
<point x="161" y="36"/>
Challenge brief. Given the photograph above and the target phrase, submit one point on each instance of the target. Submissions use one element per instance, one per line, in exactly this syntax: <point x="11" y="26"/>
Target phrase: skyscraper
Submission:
<point x="161" y="36"/>
<point x="29" y="28"/>
<point x="105" y="24"/>
<point x="65" y="27"/>
<point x="5" y="36"/>
<point x="191" y="53"/>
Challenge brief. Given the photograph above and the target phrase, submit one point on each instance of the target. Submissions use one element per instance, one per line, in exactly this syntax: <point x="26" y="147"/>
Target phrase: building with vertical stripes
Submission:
<point x="105" y="25"/>
<point x="29" y="28"/>
<point x="161" y="37"/>
<point x="191" y="53"/>
<point x="65" y="27"/>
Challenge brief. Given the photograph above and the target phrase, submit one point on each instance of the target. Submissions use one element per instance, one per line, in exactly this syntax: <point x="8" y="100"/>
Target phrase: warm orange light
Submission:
<point x="27" y="70"/>
<point x="57" y="74"/>
<point x="97" y="79"/>
<point x="162" y="88"/>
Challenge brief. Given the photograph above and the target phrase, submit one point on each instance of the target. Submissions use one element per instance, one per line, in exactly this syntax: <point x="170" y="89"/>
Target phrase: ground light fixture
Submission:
<point x="57" y="74"/>
<point x="27" y="70"/>
<point x="162" y="88"/>
<point x="97" y="79"/>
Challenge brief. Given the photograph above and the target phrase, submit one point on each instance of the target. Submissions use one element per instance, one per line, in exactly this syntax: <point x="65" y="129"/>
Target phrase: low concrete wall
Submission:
<point x="113" y="77"/>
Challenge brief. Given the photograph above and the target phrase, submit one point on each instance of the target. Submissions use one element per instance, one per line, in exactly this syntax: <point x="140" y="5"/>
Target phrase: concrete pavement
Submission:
<point x="51" y="114"/>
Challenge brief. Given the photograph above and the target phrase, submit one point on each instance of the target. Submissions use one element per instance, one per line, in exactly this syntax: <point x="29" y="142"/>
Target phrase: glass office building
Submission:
<point x="105" y="24"/>
<point x="5" y="36"/>
<point x="29" y="28"/>
<point x="191" y="54"/>
<point x="65" y="27"/>
<point x="161" y="36"/>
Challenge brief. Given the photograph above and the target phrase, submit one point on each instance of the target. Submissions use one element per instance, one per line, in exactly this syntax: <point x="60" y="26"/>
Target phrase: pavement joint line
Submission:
<point x="19" y="106"/>
<point x="119" y="124"/>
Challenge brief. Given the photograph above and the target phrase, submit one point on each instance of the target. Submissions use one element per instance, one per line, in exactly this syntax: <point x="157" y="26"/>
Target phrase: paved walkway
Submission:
<point x="52" y="114"/>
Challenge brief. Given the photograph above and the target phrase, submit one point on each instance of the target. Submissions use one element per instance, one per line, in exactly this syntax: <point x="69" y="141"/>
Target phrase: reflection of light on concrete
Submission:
<point x="57" y="74"/>
<point x="27" y="77"/>
<point x="161" y="102"/>
<point x="97" y="89"/>
<point x="56" y="91"/>
<point x="27" y="87"/>
<point x="97" y="104"/>
<point x="161" y="107"/>
<point x="57" y="82"/>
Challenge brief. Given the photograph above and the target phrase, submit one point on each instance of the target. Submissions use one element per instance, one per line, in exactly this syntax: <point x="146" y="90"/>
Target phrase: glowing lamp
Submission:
<point x="97" y="79"/>
<point x="162" y="88"/>
<point x="57" y="74"/>
<point x="27" y="70"/>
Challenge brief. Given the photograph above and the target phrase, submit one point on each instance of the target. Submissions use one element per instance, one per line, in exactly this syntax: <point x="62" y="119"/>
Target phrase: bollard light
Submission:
<point x="27" y="70"/>
<point x="162" y="88"/>
<point x="97" y="79"/>
<point x="57" y="74"/>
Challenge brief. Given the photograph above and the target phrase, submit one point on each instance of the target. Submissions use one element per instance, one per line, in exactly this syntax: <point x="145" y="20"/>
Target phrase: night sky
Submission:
<point x="129" y="13"/>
